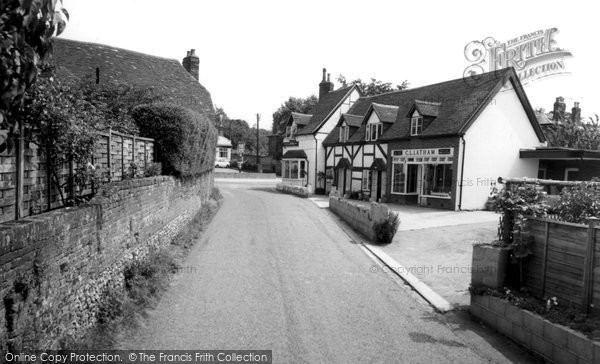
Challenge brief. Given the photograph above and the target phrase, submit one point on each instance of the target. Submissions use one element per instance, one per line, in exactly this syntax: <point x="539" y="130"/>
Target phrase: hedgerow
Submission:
<point x="185" y="139"/>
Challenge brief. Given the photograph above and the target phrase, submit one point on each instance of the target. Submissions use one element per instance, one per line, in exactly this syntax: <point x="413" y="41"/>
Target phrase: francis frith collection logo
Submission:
<point x="533" y="55"/>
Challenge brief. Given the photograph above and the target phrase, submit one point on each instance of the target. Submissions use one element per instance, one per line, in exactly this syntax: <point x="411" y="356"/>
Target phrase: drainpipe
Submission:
<point x="462" y="171"/>
<point x="316" y="162"/>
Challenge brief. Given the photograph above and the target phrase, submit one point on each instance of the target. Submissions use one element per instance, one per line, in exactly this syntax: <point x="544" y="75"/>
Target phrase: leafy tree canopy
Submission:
<point x="26" y="29"/>
<point x="293" y="104"/>
<point x="578" y="134"/>
<point x="375" y="87"/>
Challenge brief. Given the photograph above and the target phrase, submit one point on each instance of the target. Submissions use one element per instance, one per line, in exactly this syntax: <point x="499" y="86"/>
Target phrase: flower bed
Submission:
<point x="553" y="341"/>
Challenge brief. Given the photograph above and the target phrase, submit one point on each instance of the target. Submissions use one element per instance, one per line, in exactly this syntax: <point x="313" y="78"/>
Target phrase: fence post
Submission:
<point x="588" y="268"/>
<point x="108" y="162"/>
<point x="20" y="173"/>
<point x="122" y="157"/>
<point x="545" y="257"/>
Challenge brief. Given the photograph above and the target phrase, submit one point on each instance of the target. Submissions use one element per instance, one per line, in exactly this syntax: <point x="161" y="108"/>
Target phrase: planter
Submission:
<point x="489" y="265"/>
<point x="554" y="342"/>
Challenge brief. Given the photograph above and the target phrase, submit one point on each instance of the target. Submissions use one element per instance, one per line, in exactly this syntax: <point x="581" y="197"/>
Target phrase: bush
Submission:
<point x="579" y="203"/>
<point x="386" y="230"/>
<point x="185" y="140"/>
<point x="215" y="194"/>
<point x="234" y="164"/>
<point x="153" y="169"/>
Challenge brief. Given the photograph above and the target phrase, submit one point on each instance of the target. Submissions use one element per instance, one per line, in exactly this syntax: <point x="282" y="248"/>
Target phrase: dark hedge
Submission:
<point x="185" y="139"/>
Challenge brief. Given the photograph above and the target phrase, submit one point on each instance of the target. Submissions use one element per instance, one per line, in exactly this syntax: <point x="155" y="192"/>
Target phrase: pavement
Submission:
<point x="274" y="271"/>
<point x="436" y="247"/>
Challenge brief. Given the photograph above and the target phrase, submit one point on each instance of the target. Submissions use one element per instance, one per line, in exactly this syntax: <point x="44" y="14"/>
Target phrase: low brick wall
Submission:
<point x="252" y="175"/>
<point x="294" y="190"/>
<point x="554" y="342"/>
<point x="360" y="217"/>
<point x="55" y="267"/>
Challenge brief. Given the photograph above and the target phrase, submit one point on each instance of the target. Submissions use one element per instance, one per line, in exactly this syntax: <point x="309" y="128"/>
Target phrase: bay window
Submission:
<point x="293" y="169"/>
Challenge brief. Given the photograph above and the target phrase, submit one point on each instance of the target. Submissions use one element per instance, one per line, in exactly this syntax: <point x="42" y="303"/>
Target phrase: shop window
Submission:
<point x="398" y="181"/>
<point x="437" y="179"/>
<point x="416" y="125"/>
<point x="285" y="169"/>
<point x="294" y="169"/>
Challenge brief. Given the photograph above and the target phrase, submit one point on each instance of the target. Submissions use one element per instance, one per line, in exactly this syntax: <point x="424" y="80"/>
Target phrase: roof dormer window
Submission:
<point x="344" y="133"/>
<point x="374" y="131"/>
<point x="416" y="124"/>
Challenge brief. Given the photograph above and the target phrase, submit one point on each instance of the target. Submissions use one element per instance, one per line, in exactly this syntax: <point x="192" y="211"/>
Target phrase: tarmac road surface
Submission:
<point x="275" y="272"/>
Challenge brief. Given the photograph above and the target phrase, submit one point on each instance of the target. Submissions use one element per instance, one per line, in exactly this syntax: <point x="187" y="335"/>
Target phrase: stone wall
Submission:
<point x="55" y="267"/>
<point x="293" y="190"/>
<point x="361" y="217"/>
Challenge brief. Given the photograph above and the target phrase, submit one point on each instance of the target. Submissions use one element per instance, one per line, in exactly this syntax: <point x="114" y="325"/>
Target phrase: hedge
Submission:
<point x="185" y="139"/>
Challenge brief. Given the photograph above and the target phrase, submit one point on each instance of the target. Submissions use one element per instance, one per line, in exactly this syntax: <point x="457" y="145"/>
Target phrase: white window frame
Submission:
<point x="416" y="125"/>
<point x="344" y="133"/>
<point x="567" y="170"/>
<point x="288" y="168"/>
<point x="378" y="131"/>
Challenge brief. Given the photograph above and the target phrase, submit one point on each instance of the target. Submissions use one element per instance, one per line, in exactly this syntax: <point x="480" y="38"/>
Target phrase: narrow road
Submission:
<point x="275" y="272"/>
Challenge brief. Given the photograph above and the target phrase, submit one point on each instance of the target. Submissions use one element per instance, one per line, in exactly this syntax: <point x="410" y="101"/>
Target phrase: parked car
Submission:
<point x="221" y="163"/>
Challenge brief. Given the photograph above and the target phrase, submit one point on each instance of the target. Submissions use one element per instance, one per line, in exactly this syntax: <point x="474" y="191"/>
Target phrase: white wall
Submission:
<point x="492" y="147"/>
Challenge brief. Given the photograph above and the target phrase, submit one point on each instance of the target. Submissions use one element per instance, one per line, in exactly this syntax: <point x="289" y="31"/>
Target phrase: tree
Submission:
<point x="574" y="133"/>
<point x="26" y="29"/>
<point x="375" y="87"/>
<point x="293" y="104"/>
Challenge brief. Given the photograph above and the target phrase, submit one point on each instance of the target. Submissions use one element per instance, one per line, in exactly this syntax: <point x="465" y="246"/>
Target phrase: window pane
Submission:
<point x="302" y="169"/>
<point x="285" y="170"/>
<point x="373" y="132"/>
<point x="294" y="169"/>
<point x="398" y="176"/>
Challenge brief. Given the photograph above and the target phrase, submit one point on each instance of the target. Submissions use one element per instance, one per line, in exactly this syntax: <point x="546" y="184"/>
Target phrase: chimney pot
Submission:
<point x="191" y="63"/>
<point x="324" y="72"/>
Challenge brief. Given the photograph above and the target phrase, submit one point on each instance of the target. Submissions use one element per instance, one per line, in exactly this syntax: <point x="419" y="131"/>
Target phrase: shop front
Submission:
<point x="423" y="177"/>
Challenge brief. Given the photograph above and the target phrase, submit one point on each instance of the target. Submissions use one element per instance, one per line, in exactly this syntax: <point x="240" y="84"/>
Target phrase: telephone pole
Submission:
<point x="258" y="168"/>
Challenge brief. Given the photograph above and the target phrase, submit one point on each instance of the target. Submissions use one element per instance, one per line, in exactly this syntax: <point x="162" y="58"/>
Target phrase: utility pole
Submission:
<point x="258" y="168"/>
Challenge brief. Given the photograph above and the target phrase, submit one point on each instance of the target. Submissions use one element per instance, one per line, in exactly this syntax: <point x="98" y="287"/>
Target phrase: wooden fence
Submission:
<point x="25" y="185"/>
<point x="565" y="262"/>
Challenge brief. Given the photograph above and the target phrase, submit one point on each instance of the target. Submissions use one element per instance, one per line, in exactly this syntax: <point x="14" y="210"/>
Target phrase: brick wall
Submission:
<point x="361" y="217"/>
<point x="55" y="266"/>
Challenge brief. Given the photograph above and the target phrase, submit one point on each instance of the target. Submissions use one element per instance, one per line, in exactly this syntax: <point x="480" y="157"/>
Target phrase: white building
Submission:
<point x="303" y="159"/>
<point x="223" y="157"/>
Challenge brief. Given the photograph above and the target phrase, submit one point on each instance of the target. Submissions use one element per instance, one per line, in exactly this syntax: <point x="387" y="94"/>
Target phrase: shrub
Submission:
<point x="215" y="194"/>
<point x="233" y="164"/>
<point x="385" y="230"/>
<point x="185" y="140"/>
<point x="153" y="169"/>
<point x="579" y="203"/>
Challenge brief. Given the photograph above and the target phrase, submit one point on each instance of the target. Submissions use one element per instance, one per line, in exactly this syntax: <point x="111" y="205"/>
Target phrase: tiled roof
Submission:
<point x="167" y="76"/>
<point x="353" y="120"/>
<point x="301" y="119"/>
<point x="542" y="118"/>
<point x="223" y="142"/>
<point x="294" y="154"/>
<point x="459" y="101"/>
<point x="385" y="113"/>
<point x="428" y="108"/>
<point x="324" y="107"/>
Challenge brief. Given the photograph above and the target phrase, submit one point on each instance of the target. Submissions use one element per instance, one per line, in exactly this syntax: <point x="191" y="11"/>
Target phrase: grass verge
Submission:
<point x="123" y="309"/>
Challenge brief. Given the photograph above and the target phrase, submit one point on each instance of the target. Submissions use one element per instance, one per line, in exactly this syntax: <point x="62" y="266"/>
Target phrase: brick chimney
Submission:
<point x="558" y="113"/>
<point x="191" y="63"/>
<point x="576" y="112"/>
<point x="326" y="85"/>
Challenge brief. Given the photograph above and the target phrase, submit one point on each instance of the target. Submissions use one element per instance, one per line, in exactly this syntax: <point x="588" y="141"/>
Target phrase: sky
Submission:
<point x="255" y="54"/>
